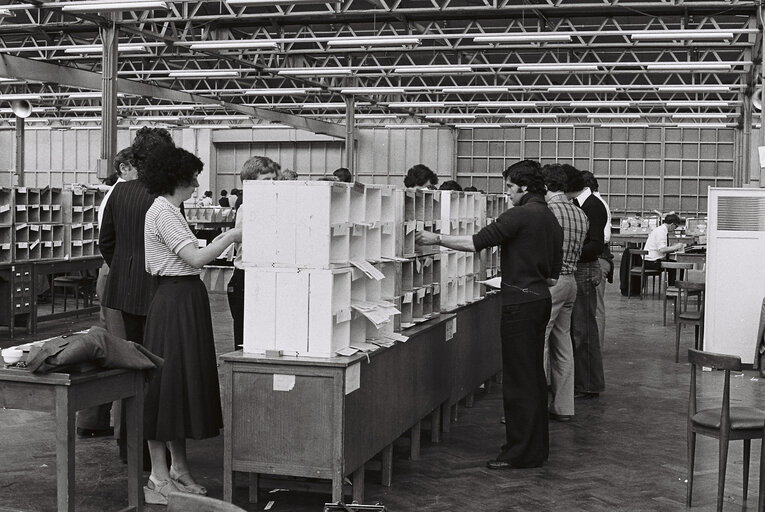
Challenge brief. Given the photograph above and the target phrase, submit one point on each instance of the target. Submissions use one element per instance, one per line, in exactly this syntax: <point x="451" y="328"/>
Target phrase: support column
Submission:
<point x="350" y="135"/>
<point x="108" y="97"/>
<point x="745" y="173"/>
<point x="19" y="152"/>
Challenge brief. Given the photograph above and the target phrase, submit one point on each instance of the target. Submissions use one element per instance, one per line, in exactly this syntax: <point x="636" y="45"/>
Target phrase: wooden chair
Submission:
<point x="185" y="502"/>
<point x="724" y="423"/>
<point x="686" y="316"/>
<point x="644" y="273"/>
<point x="84" y="281"/>
<point x="671" y="292"/>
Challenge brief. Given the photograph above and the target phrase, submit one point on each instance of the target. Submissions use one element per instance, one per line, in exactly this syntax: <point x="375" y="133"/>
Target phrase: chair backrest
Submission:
<point x="712" y="360"/>
<point x="185" y="502"/>
<point x="696" y="276"/>
<point x="683" y="287"/>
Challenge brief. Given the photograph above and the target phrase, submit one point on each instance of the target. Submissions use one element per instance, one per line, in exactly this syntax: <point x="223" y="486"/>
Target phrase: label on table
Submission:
<point x="283" y="382"/>
<point x="352" y="378"/>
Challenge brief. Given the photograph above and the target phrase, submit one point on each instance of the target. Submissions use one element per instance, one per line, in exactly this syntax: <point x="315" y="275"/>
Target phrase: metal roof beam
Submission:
<point x="12" y="67"/>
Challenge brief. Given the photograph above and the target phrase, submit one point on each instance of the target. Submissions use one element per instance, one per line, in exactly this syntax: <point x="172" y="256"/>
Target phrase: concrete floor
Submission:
<point x="624" y="451"/>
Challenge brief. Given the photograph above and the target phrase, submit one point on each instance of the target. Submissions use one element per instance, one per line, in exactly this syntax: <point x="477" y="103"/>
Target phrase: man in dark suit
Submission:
<point x="589" y="381"/>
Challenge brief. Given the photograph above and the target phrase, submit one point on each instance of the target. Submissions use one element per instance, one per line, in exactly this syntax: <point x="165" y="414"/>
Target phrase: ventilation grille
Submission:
<point x="740" y="213"/>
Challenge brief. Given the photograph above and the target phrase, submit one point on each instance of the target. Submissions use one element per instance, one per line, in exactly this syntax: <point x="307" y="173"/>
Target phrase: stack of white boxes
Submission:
<point x="421" y="273"/>
<point x="462" y="213"/>
<point x="302" y="295"/>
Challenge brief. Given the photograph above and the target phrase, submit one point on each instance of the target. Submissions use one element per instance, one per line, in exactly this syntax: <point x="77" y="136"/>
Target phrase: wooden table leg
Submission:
<point x="435" y="425"/>
<point x="358" y="485"/>
<point x="65" y="417"/>
<point x="337" y="488"/>
<point x="228" y="445"/>
<point x="254" y="483"/>
<point x="387" y="465"/>
<point x="134" y="426"/>
<point x="446" y="414"/>
<point x="415" y="448"/>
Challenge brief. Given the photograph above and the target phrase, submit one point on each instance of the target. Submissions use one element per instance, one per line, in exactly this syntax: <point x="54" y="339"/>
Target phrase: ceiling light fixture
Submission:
<point x="560" y="68"/>
<point x="204" y="73"/>
<point x="269" y="2"/>
<point x="531" y="115"/>
<point x="417" y="104"/>
<point x="106" y="5"/>
<point x="469" y="126"/>
<point x="374" y="41"/>
<point x="450" y="116"/>
<point x="688" y="66"/>
<point x="696" y="88"/>
<point x="416" y="70"/>
<point x="681" y="104"/>
<point x="11" y="97"/>
<point x="703" y="125"/>
<point x="620" y="115"/>
<point x="523" y="38"/>
<point x="612" y="104"/>
<point x="315" y="71"/>
<point x="692" y="115"/>
<point x="98" y="48"/>
<point x="672" y="35"/>
<point x="475" y="89"/>
<point x="407" y="125"/>
<point x="582" y="88"/>
<point x="372" y="90"/>
<point x="507" y="104"/>
<point x="281" y="92"/>
<point x="227" y="117"/>
<point x="234" y="44"/>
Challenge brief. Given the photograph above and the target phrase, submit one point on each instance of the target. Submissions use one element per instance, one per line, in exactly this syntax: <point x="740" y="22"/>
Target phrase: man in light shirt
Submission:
<point x="658" y="246"/>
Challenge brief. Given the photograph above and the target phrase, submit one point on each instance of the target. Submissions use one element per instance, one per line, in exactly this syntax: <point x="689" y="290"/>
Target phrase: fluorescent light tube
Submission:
<point x="315" y="71"/>
<point x="97" y="48"/>
<point x="227" y="117"/>
<point x="475" y="89"/>
<point x="450" y="116"/>
<point x="506" y="104"/>
<point x="700" y="116"/>
<point x="620" y="115"/>
<point x="84" y="109"/>
<point x="372" y="90"/>
<point x="156" y="118"/>
<point x="321" y="105"/>
<point x="373" y="41"/>
<point x="702" y="125"/>
<point x="11" y="97"/>
<point x="281" y="92"/>
<point x="375" y="116"/>
<point x="624" y="125"/>
<point x="671" y="35"/>
<point x="175" y="107"/>
<point x="89" y="95"/>
<point x="522" y="38"/>
<point x="688" y="66"/>
<point x="4" y="13"/>
<point x="613" y="104"/>
<point x="271" y="2"/>
<point x="696" y="88"/>
<point x="417" y="104"/>
<point x="582" y="88"/>
<point x="103" y="6"/>
<point x="531" y="115"/>
<point x="407" y="125"/>
<point x="680" y="104"/>
<point x="211" y="126"/>
<point x="558" y="67"/>
<point x="410" y="70"/>
<point x="550" y="125"/>
<point x="477" y="125"/>
<point x="203" y="73"/>
<point x="233" y="44"/>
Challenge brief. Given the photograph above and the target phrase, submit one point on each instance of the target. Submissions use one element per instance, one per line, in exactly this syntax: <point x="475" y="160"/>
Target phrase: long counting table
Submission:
<point x="326" y="418"/>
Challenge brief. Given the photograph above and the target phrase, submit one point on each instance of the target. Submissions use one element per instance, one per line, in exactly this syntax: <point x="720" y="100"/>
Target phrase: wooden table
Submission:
<point x="47" y="267"/>
<point x="327" y="417"/>
<point x="63" y="395"/>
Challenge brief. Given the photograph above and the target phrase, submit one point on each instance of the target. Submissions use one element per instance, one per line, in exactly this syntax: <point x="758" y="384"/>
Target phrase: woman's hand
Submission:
<point x="235" y="235"/>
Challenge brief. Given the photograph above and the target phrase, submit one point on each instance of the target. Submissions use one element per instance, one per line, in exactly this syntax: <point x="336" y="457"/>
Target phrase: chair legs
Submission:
<point x="721" y="465"/>
<point x="691" y="462"/>
<point x="678" y="325"/>
<point x="747" y="450"/>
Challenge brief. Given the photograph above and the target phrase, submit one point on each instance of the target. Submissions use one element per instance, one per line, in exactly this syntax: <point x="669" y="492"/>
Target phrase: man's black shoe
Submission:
<point x="561" y="417"/>
<point x="95" y="432"/>
<point x="499" y="464"/>
<point x="586" y="396"/>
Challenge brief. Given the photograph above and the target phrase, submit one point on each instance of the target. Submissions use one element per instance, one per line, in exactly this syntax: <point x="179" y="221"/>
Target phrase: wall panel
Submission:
<point x="639" y="169"/>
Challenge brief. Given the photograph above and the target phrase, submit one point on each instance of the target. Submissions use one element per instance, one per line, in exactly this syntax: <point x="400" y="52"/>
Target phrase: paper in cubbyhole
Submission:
<point x="21" y="190"/>
<point x="34" y="227"/>
<point x="4" y="208"/>
<point x="342" y="315"/>
<point x="420" y="293"/>
<point x="21" y="207"/>
<point x="20" y="226"/>
<point x="407" y="298"/>
<point x="417" y="264"/>
<point x="409" y="227"/>
<point x="387" y="228"/>
<point x="340" y="230"/>
<point x="427" y="262"/>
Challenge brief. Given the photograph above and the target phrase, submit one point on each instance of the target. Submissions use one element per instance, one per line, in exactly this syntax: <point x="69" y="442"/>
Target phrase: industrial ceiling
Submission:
<point x="390" y="63"/>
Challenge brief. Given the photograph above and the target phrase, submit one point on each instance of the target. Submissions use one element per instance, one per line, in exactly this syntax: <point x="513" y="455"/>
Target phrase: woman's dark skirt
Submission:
<point x="183" y="398"/>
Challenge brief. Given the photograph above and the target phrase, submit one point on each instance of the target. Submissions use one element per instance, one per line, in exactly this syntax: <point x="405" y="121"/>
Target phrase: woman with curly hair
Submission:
<point x="183" y="399"/>
<point x="420" y="176"/>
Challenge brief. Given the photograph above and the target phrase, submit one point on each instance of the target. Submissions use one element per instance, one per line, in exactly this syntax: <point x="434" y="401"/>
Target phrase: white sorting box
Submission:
<point x="303" y="311"/>
<point x="303" y="224"/>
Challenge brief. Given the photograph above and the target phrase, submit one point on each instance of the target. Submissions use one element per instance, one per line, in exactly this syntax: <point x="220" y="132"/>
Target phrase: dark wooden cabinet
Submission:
<point x="16" y="295"/>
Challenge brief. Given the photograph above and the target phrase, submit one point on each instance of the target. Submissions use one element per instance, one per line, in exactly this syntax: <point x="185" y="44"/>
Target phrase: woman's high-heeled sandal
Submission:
<point x="180" y="481"/>
<point x="155" y="492"/>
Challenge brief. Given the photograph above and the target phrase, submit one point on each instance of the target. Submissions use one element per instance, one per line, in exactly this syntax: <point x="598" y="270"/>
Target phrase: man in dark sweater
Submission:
<point x="531" y="241"/>
<point x="589" y="381"/>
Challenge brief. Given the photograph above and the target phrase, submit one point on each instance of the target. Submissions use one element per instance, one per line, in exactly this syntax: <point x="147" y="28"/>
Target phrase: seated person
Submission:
<point x="343" y="174"/>
<point x="450" y="185"/>
<point x="658" y="246"/>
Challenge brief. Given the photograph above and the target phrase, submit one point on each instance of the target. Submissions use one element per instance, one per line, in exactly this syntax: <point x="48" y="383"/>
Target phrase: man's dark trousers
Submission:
<point x="588" y="362"/>
<point x="524" y="385"/>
